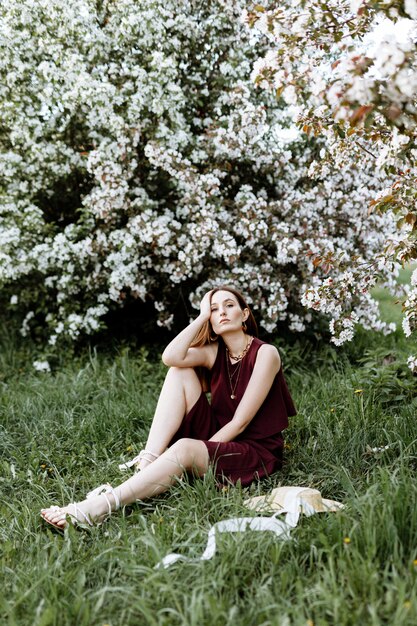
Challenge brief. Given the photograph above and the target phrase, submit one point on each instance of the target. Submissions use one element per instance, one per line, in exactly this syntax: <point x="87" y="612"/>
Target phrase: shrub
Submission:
<point x="349" y="69"/>
<point x="138" y="161"/>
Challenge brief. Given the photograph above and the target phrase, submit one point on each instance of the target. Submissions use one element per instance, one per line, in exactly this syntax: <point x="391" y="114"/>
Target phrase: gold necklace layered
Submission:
<point x="240" y="356"/>
<point x="234" y="376"/>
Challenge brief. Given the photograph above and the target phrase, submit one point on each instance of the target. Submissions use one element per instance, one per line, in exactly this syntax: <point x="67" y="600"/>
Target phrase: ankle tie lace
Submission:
<point x="137" y="459"/>
<point x="103" y="490"/>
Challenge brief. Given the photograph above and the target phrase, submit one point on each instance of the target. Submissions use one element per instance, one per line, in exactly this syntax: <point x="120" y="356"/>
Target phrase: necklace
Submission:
<point x="240" y="356"/>
<point x="234" y="376"/>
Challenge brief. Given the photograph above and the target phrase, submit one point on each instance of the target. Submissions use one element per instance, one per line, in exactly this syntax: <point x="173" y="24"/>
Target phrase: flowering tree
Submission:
<point x="349" y="70"/>
<point x="137" y="160"/>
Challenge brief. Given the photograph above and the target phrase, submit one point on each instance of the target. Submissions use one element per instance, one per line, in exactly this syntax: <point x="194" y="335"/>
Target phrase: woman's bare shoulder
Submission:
<point x="269" y="353"/>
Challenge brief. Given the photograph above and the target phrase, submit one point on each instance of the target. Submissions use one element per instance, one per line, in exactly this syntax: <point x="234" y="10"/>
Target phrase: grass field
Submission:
<point x="354" y="438"/>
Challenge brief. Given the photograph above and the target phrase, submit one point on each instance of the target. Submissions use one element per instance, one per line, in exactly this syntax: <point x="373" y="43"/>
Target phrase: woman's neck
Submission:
<point x="236" y="342"/>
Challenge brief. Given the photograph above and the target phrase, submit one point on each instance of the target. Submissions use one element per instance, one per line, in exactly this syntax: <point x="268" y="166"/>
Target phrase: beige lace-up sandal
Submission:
<point x="78" y="518"/>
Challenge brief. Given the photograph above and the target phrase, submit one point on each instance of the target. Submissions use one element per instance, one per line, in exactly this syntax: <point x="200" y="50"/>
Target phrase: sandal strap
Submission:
<point x="102" y="490"/>
<point x="138" y="457"/>
<point x="108" y="503"/>
<point x="77" y="512"/>
<point x="142" y="452"/>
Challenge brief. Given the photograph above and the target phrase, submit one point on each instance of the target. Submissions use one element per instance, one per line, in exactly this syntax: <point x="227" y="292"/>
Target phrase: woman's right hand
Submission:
<point x="205" y="305"/>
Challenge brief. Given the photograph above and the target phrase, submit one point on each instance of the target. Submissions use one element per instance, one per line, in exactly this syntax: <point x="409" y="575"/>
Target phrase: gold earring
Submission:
<point x="244" y="327"/>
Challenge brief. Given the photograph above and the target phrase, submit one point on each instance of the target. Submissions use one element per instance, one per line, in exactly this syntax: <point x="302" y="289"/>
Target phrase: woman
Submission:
<point x="240" y="432"/>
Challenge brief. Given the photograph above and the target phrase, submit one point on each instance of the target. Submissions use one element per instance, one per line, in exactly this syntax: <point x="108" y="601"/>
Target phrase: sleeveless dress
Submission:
<point x="257" y="451"/>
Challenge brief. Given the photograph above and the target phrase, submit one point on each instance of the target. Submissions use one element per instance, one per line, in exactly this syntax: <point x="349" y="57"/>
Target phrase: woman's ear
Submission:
<point x="245" y="314"/>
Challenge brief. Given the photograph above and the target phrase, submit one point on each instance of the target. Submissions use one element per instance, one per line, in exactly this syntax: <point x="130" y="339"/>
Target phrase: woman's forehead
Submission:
<point x="222" y="296"/>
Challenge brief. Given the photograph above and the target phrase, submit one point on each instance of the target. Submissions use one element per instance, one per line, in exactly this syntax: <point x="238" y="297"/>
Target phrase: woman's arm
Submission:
<point x="179" y="354"/>
<point x="267" y="366"/>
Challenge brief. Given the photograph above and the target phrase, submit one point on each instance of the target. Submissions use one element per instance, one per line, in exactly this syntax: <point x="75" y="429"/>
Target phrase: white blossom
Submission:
<point x="412" y="363"/>
<point x="351" y="72"/>
<point x="139" y="162"/>
<point x="41" y="366"/>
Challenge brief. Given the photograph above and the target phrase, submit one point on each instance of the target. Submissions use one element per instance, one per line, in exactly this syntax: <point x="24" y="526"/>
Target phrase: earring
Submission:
<point x="213" y="337"/>
<point x="244" y="327"/>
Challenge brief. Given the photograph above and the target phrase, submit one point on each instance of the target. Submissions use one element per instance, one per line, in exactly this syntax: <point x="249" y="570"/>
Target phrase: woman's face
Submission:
<point x="226" y="314"/>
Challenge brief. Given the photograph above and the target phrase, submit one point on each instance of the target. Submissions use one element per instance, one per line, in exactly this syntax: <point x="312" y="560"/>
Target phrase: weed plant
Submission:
<point x="354" y="439"/>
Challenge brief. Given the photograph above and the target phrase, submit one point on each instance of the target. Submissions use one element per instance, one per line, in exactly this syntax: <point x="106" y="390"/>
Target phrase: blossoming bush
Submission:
<point x="349" y="70"/>
<point x="137" y="159"/>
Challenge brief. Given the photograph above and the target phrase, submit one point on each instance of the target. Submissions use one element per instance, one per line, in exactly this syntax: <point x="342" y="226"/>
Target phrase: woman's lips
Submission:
<point x="222" y="321"/>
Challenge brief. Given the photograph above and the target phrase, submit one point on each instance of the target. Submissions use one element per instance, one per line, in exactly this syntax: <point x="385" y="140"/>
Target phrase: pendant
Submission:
<point x="233" y="396"/>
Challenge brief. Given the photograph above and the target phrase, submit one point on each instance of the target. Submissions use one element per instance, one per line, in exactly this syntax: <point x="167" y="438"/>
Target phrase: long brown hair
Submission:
<point x="206" y="334"/>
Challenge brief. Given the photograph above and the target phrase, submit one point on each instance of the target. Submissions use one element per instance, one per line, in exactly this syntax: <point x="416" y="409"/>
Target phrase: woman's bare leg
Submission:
<point x="179" y="393"/>
<point x="185" y="454"/>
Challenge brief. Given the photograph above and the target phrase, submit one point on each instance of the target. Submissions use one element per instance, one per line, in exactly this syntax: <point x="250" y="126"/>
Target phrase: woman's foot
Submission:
<point x="92" y="512"/>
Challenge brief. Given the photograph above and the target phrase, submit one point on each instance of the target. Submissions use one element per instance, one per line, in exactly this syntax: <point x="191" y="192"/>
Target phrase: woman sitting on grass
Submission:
<point x="239" y="432"/>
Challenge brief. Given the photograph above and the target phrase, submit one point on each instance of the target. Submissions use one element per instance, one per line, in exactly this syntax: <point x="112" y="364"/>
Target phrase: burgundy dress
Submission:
<point x="257" y="451"/>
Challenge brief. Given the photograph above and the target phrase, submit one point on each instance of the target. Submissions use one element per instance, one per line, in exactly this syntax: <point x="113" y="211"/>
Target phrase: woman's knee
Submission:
<point x="183" y="448"/>
<point x="187" y="378"/>
<point x="189" y="452"/>
<point x="182" y="373"/>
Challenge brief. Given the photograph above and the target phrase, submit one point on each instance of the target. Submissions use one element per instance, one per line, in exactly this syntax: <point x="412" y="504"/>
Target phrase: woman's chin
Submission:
<point x="226" y="327"/>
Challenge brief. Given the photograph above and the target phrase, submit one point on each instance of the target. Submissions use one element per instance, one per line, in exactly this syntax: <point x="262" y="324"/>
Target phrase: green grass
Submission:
<point x="64" y="433"/>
